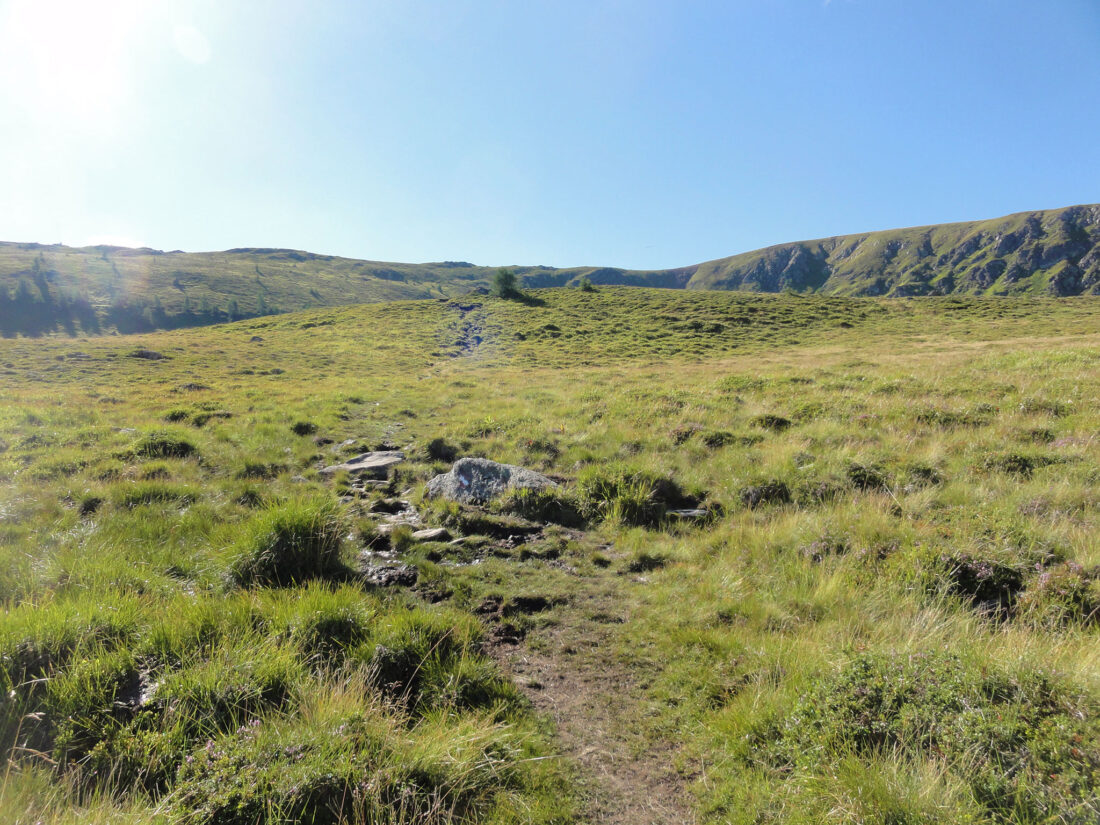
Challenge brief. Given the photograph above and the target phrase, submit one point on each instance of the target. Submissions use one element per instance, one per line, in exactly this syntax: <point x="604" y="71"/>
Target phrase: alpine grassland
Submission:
<point x="810" y="559"/>
<point x="52" y="288"/>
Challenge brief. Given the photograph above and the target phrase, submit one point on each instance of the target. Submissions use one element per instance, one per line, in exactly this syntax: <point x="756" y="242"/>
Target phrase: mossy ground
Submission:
<point x="908" y="635"/>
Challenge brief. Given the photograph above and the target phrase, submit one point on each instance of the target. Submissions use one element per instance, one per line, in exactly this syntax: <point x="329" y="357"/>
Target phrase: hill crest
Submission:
<point x="46" y="287"/>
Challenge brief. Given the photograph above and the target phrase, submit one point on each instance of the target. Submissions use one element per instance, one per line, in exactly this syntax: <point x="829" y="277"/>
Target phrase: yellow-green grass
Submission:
<point x="932" y="448"/>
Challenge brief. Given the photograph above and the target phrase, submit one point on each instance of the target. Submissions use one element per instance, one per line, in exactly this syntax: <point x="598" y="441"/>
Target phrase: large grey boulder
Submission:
<point x="477" y="480"/>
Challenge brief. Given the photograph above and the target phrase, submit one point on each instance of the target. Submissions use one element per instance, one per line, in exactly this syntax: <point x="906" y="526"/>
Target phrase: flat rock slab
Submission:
<point x="432" y="534"/>
<point x="375" y="465"/>
<point x="688" y="515"/>
<point x="478" y="480"/>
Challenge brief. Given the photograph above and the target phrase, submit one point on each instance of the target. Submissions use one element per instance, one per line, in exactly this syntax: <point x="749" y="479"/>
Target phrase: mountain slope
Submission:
<point x="47" y="287"/>
<point x="1053" y="252"/>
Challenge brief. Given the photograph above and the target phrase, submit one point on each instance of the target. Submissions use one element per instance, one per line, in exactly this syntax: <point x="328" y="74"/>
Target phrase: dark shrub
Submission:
<point x="89" y="505"/>
<point x="775" y="423"/>
<point x="250" y="498"/>
<point x="164" y="444"/>
<point x="303" y="428"/>
<point x="866" y="477"/>
<point x="811" y="492"/>
<point x="826" y="545"/>
<point x="768" y="492"/>
<point x="440" y="450"/>
<point x="989" y="583"/>
<point x="717" y="438"/>
<point x="1020" y="464"/>
<point x="201" y="418"/>
<point x="921" y="475"/>
<point x="683" y="433"/>
<point x="1062" y="594"/>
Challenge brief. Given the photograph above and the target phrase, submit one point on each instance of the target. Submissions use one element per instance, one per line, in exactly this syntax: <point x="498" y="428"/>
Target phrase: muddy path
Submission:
<point x="596" y="700"/>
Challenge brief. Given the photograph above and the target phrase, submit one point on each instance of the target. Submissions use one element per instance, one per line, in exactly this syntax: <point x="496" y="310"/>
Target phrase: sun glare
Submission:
<point x="69" y="60"/>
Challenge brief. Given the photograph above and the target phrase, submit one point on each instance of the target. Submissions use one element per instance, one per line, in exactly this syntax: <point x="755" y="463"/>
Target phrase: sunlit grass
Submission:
<point x="938" y="465"/>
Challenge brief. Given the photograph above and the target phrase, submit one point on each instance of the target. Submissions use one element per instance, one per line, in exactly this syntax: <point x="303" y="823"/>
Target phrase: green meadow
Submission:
<point x="889" y="612"/>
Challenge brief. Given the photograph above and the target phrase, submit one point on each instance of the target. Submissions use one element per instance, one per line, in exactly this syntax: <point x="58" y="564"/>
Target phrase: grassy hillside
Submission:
<point x="57" y="288"/>
<point x="1056" y="252"/>
<point x="888" y="614"/>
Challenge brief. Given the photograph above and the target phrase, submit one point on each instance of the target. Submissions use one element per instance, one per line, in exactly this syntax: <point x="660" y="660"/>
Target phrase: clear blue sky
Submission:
<point x="605" y="132"/>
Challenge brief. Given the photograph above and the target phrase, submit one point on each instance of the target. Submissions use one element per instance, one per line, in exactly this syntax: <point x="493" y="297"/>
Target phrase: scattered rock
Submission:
<point x="255" y="339"/>
<point x="373" y="465"/>
<point x="191" y="387"/>
<point x="688" y="515"/>
<point x="478" y="480"/>
<point x="391" y="575"/>
<point x="432" y="534"/>
<point x="148" y="355"/>
<point x="391" y="506"/>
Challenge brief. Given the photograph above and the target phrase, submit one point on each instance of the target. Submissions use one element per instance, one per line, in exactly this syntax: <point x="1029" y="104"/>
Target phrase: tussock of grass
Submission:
<point x="288" y="543"/>
<point x="164" y="444"/>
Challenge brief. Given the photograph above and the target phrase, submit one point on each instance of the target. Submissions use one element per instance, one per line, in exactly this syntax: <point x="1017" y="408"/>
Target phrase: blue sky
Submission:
<point x="643" y="134"/>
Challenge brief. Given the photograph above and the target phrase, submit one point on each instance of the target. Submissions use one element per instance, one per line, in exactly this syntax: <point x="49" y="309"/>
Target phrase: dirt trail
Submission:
<point x="469" y="333"/>
<point x="595" y="701"/>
